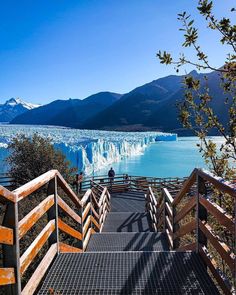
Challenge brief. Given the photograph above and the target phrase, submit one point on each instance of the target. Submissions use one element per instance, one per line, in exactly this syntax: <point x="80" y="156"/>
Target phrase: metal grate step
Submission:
<point x="128" y="273"/>
<point x="127" y="222"/>
<point x="103" y="242"/>
<point x="127" y="202"/>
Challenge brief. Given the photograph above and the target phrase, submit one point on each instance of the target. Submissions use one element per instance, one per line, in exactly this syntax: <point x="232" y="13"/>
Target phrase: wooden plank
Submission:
<point x="94" y="212"/>
<point x="86" y="211"/>
<point x="223" y="187"/>
<point x="6" y="235"/>
<point x="34" y="184"/>
<point x="64" y="248"/>
<point x="8" y="195"/>
<point x="87" y="238"/>
<point x="218" y="213"/>
<point x="66" y="188"/>
<point x="102" y="209"/>
<point x="186" y="186"/>
<point x="214" y="272"/>
<point x="184" y="229"/>
<point x="170" y="240"/>
<point x="168" y="196"/>
<point x="86" y="225"/>
<point x="66" y="208"/>
<point x="34" y="215"/>
<point x="86" y="197"/>
<point x="94" y="200"/>
<point x="168" y="223"/>
<point x="40" y="271"/>
<point x="185" y="210"/>
<point x="217" y="245"/>
<point x="152" y="196"/>
<point x="69" y="230"/>
<point x="34" y="248"/>
<point x="7" y="276"/>
<point x="103" y="196"/>
<point x="169" y="210"/>
<point x="189" y="247"/>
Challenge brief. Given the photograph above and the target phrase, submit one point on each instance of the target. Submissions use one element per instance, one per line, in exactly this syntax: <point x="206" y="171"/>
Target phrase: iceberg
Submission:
<point x="87" y="150"/>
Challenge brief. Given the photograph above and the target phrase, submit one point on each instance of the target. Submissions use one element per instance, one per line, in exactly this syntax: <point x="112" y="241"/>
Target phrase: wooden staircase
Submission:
<point x="131" y="237"/>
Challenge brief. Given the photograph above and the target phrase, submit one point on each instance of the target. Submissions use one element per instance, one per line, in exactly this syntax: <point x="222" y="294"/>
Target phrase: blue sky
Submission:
<point x="59" y="49"/>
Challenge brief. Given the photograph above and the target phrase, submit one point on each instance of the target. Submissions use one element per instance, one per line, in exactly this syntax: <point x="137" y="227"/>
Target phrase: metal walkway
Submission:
<point x="128" y="258"/>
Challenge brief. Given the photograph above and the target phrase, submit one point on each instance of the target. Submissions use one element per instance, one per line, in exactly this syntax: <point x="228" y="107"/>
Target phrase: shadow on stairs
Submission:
<point x="128" y="258"/>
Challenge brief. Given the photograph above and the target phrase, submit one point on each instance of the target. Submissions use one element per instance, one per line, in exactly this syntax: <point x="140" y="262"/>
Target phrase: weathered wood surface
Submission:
<point x="168" y="196"/>
<point x="35" y="247"/>
<point x="33" y="216"/>
<point x="67" y="209"/>
<point x="7" y="276"/>
<point x="40" y="271"/>
<point x="64" y="248"/>
<point x="217" y="245"/>
<point x="185" y="188"/>
<point x="86" y="226"/>
<point x="185" y="229"/>
<point x="86" y="240"/>
<point x="86" y="197"/>
<point x="86" y="211"/>
<point x="34" y="185"/>
<point x="220" y="185"/>
<point x="69" y="230"/>
<point x="8" y="195"/>
<point x="218" y="213"/>
<point x="6" y="235"/>
<point x="67" y="189"/>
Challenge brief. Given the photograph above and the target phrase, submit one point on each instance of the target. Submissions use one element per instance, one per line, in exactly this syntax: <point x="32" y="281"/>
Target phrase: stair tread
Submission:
<point x="127" y="222"/>
<point x="128" y="242"/>
<point x="128" y="273"/>
<point x="127" y="202"/>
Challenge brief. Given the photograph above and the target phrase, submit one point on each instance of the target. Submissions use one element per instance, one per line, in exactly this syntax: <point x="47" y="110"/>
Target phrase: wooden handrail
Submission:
<point x="33" y="185"/>
<point x="7" y="195"/>
<point x="89" y="214"/>
<point x="186" y="186"/>
<point x="171" y="220"/>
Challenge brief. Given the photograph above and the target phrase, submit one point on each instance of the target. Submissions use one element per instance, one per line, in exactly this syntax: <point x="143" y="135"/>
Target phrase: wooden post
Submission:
<point x="175" y="226"/>
<point x="53" y="213"/>
<point x="164" y="211"/>
<point x="201" y="213"/>
<point x="11" y="253"/>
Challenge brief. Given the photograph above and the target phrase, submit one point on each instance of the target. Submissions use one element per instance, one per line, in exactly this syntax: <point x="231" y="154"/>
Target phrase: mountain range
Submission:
<point x="13" y="108"/>
<point x="148" y="107"/>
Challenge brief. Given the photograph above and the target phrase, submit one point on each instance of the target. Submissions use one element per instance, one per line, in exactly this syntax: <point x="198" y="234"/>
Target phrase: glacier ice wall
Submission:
<point x="88" y="150"/>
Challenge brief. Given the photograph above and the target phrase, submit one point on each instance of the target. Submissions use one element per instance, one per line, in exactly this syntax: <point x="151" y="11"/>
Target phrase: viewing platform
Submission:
<point x="135" y="235"/>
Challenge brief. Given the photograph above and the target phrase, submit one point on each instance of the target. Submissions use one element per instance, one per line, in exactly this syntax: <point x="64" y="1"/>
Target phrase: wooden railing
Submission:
<point x="194" y="209"/>
<point x="124" y="182"/>
<point x="66" y="215"/>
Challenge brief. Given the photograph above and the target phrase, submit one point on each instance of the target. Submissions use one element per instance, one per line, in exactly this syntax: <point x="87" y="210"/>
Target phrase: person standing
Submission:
<point x="111" y="175"/>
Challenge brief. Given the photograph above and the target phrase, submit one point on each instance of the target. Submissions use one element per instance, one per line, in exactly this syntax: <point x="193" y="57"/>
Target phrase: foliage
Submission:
<point x="30" y="158"/>
<point x="196" y="112"/>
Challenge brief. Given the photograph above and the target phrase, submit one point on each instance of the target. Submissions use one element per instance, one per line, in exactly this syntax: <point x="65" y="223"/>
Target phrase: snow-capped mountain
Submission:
<point x="14" y="107"/>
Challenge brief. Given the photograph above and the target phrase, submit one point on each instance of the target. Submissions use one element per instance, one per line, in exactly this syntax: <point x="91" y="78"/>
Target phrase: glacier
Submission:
<point x="87" y="150"/>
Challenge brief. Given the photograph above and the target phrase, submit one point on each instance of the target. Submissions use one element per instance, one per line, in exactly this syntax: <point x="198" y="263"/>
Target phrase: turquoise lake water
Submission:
<point x="163" y="159"/>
